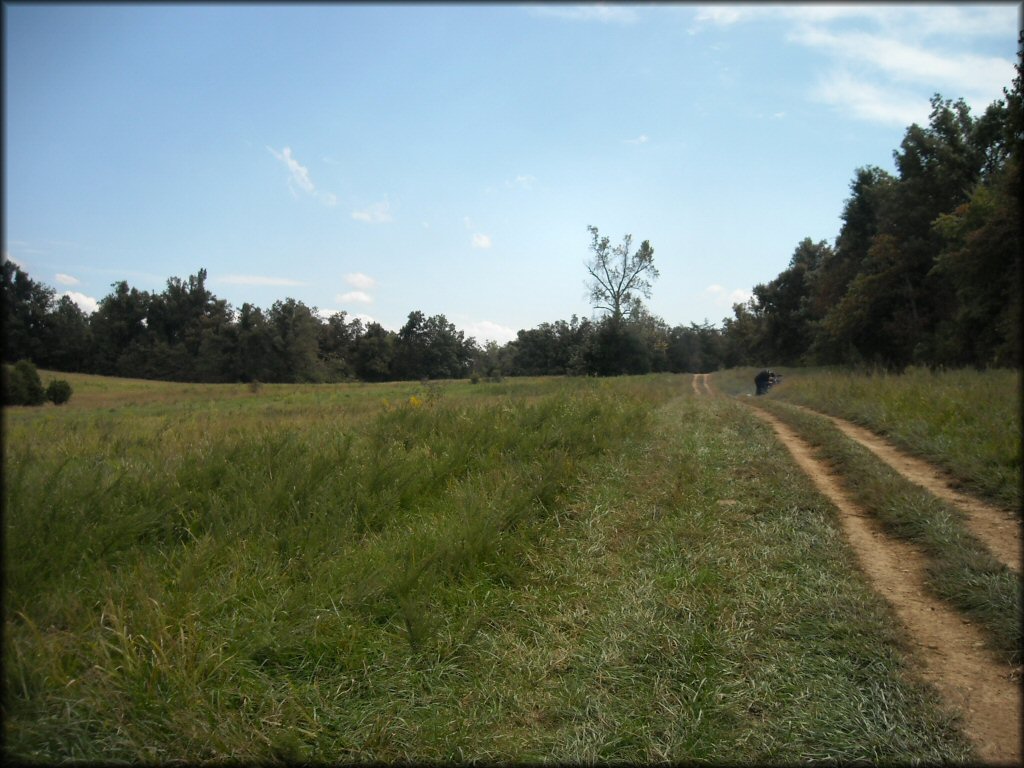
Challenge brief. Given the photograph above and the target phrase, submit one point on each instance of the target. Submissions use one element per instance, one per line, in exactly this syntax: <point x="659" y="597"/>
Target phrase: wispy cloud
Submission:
<point x="726" y="298"/>
<point x="884" y="62"/>
<point x="298" y="176"/>
<point x="66" y="279"/>
<point x="522" y="181"/>
<point x="481" y="241"/>
<point x="600" y="12"/>
<point x="255" y="280"/>
<point x="867" y="101"/>
<point x="376" y="213"/>
<point x="641" y="139"/>
<point x="354" y="297"/>
<point x="360" y="280"/>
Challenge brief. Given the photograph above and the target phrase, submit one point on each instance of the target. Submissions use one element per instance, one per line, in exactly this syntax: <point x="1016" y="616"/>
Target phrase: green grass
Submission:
<point x="543" y="569"/>
<point x="966" y="421"/>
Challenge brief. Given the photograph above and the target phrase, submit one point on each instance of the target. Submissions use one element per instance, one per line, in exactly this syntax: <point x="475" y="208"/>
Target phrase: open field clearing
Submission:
<point x="542" y="569"/>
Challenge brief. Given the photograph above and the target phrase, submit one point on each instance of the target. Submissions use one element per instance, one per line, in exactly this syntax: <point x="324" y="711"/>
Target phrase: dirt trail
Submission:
<point x="997" y="529"/>
<point x="951" y="652"/>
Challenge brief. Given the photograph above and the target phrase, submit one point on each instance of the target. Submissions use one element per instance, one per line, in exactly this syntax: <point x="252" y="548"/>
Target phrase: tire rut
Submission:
<point x="996" y="528"/>
<point x="951" y="652"/>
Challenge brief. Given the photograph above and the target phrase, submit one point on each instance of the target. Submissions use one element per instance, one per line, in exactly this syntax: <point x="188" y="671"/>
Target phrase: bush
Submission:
<point x="58" y="391"/>
<point x="22" y="385"/>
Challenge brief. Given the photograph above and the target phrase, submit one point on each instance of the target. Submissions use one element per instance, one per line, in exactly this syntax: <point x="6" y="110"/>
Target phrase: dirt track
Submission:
<point x="951" y="652"/>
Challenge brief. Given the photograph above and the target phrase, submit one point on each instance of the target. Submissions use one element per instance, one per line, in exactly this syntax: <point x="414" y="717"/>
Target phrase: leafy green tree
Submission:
<point x="119" y="331"/>
<point x="22" y="385"/>
<point x="58" y="391"/>
<point x="373" y="353"/>
<point x="337" y="342"/>
<point x="982" y="261"/>
<point x="294" y="333"/>
<point x="616" y="348"/>
<point x="431" y="348"/>
<point x="26" y="307"/>
<point x="70" y="347"/>
<point x="253" y="345"/>
<point x="786" y="304"/>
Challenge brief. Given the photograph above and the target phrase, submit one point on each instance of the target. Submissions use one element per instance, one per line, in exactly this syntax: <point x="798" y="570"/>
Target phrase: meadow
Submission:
<point x="538" y="569"/>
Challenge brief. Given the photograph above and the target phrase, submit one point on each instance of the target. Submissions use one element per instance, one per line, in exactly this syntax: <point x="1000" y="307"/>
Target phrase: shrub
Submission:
<point x="58" y="391"/>
<point x="22" y="385"/>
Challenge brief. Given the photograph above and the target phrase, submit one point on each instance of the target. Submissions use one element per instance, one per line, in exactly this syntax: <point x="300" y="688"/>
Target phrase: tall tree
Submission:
<point x="619" y="278"/>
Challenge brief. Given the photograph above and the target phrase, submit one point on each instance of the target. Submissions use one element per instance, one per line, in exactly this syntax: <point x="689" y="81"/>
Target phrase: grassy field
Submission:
<point x="541" y="569"/>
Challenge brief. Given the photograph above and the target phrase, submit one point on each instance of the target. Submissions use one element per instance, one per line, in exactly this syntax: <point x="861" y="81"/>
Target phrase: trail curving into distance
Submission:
<point x="951" y="652"/>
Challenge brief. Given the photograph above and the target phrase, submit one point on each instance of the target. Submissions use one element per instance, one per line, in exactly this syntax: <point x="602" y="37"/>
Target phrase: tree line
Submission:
<point x="186" y="333"/>
<point x="925" y="270"/>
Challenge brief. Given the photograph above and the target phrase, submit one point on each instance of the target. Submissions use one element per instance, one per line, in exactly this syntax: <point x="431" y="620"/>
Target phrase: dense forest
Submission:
<point x="925" y="270"/>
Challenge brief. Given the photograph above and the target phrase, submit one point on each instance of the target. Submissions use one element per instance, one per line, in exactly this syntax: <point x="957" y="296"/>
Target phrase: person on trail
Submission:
<point x="763" y="381"/>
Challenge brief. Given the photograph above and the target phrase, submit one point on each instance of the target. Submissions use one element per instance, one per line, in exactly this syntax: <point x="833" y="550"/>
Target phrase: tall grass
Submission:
<point x="966" y="421"/>
<point x="222" y="541"/>
<point x="574" y="570"/>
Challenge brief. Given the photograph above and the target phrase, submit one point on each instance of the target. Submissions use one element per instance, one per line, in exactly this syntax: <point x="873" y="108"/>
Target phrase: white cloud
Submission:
<point x="298" y="173"/>
<point x="523" y="181"/>
<point x="888" y="60"/>
<point x="481" y="241"/>
<point x="867" y="101"/>
<point x="66" y="279"/>
<point x="959" y="73"/>
<point x="599" y="12"/>
<point x="256" y="280"/>
<point x="325" y="314"/>
<point x="86" y="303"/>
<point x="377" y="213"/>
<point x="354" y="297"/>
<point x="298" y="176"/>
<point x="360" y="280"/>
<point x="486" y="330"/>
<point x="641" y="139"/>
<point x="726" y="298"/>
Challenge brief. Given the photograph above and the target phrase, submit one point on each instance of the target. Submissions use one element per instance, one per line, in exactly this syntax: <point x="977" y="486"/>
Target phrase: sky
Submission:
<point x="383" y="158"/>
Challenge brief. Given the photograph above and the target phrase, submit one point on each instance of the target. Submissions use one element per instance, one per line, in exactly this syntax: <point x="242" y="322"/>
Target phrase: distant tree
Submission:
<point x="253" y="345"/>
<point x="615" y="349"/>
<point x="26" y="308"/>
<point x="70" y="347"/>
<point x="337" y="342"/>
<point x="119" y="332"/>
<point x="294" y="333"/>
<point x="58" y="391"/>
<point x="373" y="353"/>
<point x="432" y="348"/>
<point x="22" y="385"/>
<point x="619" y="278"/>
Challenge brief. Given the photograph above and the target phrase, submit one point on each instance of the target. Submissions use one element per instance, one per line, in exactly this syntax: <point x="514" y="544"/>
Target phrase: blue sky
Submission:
<point x="380" y="159"/>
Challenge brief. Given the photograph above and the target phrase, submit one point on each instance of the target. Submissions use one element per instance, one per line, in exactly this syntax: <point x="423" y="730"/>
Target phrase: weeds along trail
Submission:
<point x="950" y="649"/>
<point x="999" y="530"/>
